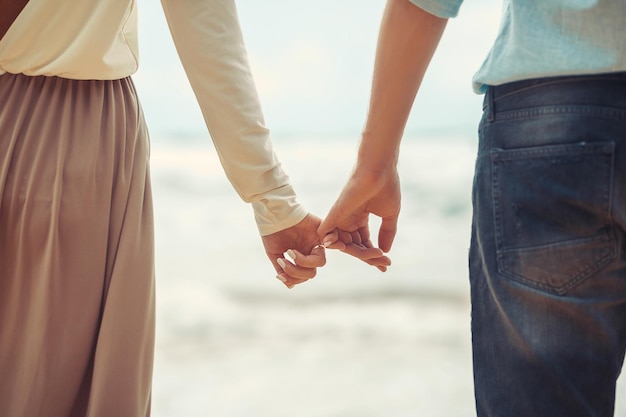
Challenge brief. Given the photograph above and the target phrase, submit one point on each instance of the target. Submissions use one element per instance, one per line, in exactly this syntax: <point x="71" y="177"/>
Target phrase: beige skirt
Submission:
<point x="76" y="249"/>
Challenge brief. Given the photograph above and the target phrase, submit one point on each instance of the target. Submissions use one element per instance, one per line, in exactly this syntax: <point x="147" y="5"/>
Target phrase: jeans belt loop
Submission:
<point x="490" y="106"/>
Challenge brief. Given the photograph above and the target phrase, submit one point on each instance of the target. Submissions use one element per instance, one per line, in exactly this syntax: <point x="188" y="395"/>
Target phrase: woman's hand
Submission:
<point x="302" y="244"/>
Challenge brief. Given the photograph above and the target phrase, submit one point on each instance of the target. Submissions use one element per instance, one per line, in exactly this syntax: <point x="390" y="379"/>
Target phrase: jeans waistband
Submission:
<point x="597" y="89"/>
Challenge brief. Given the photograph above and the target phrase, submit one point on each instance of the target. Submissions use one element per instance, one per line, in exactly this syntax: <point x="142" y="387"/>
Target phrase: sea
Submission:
<point x="232" y="341"/>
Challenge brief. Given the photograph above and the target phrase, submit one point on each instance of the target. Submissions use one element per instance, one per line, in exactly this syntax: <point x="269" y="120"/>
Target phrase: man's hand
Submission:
<point x="301" y="244"/>
<point x="347" y="225"/>
<point x="407" y="41"/>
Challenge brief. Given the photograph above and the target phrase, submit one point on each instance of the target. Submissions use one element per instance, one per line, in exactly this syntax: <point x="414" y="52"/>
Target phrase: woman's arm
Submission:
<point x="210" y="44"/>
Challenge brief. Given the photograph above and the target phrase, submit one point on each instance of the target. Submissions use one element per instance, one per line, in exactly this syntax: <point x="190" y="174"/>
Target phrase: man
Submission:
<point x="548" y="280"/>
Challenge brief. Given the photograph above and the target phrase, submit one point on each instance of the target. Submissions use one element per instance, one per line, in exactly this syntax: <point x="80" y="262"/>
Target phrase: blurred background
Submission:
<point x="231" y="339"/>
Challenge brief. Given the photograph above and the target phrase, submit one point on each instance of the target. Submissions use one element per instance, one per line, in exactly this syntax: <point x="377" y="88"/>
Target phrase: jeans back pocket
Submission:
<point x="552" y="208"/>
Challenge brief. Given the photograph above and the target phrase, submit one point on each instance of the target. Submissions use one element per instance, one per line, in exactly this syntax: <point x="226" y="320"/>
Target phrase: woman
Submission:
<point x="76" y="233"/>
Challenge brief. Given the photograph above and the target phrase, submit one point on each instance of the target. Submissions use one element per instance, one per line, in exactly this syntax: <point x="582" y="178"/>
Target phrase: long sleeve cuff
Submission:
<point x="279" y="211"/>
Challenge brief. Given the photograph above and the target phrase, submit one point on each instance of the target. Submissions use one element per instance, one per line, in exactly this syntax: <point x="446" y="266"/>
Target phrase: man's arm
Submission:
<point x="407" y="41"/>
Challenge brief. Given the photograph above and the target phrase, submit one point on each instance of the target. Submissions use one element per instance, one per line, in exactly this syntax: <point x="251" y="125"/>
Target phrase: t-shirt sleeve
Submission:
<point x="210" y="45"/>
<point x="439" y="8"/>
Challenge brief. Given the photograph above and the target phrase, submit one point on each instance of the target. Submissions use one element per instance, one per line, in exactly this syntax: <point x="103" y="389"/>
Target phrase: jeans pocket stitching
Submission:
<point x="597" y="257"/>
<point x="605" y="254"/>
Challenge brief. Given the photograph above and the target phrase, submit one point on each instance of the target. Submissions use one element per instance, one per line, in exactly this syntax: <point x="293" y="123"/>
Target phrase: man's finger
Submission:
<point x="363" y="253"/>
<point x="356" y="237"/>
<point x="345" y="237"/>
<point x="330" y="238"/>
<point x="331" y="241"/>
<point x="387" y="232"/>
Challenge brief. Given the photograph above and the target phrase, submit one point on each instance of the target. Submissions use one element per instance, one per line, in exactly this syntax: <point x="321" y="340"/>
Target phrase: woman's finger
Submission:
<point x="315" y="259"/>
<point x="295" y="271"/>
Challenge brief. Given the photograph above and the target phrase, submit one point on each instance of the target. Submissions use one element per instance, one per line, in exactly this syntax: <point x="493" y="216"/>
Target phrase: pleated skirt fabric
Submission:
<point x="76" y="249"/>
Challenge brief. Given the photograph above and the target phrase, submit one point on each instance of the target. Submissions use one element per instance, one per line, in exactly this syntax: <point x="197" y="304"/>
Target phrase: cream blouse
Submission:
<point x="97" y="39"/>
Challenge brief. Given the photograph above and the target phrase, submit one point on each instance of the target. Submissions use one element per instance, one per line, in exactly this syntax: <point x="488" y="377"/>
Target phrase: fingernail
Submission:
<point x="281" y="278"/>
<point x="291" y="254"/>
<point x="327" y="244"/>
<point x="290" y="286"/>
<point x="281" y="262"/>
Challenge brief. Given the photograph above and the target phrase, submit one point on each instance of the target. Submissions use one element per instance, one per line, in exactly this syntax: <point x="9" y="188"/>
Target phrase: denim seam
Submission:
<point x="490" y="106"/>
<point x="580" y="148"/>
<point x="603" y="112"/>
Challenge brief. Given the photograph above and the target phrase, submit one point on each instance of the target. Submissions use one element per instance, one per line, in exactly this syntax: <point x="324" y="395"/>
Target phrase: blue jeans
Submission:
<point x="548" y="252"/>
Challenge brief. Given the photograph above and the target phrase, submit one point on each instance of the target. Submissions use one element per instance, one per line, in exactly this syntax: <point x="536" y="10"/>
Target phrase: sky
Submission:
<point x="312" y="63"/>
